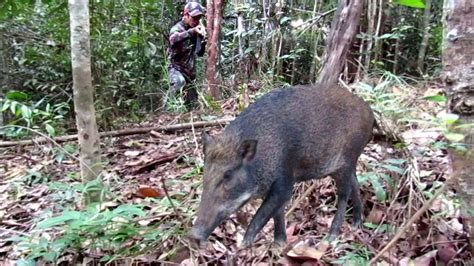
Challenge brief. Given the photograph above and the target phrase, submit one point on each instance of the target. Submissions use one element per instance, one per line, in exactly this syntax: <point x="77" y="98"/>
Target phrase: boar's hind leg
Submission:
<point x="279" y="234"/>
<point x="279" y="193"/>
<point x="344" y="189"/>
<point x="356" y="201"/>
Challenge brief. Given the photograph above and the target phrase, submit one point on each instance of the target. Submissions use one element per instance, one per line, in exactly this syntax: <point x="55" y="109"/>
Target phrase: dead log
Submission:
<point x="122" y="132"/>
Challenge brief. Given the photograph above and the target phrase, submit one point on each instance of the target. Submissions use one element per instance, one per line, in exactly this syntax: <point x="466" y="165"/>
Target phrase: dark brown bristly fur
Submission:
<point x="287" y="136"/>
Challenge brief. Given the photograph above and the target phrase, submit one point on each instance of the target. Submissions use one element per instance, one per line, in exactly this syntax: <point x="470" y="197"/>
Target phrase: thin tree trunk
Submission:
<point x="426" y="37"/>
<point x="378" y="30"/>
<point x="458" y="75"/>
<point x="371" y="11"/>
<point x="317" y="38"/>
<point x="3" y="68"/>
<point x="214" y="18"/>
<point x="240" y="30"/>
<point x="343" y="29"/>
<point x="88" y="134"/>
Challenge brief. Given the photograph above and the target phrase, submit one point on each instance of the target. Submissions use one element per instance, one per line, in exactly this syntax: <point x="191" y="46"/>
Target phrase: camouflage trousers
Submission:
<point x="179" y="85"/>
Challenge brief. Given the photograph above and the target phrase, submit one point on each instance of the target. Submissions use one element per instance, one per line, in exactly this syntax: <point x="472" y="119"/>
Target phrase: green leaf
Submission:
<point x="24" y="262"/>
<point x="412" y="3"/>
<point x="51" y="131"/>
<point x="17" y="96"/>
<point x="435" y="98"/>
<point x="454" y="137"/>
<point x="65" y="217"/>
<point x="6" y="105"/>
<point x="13" y="107"/>
<point x="379" y="190"/>
<point x="448" y="119"/>
<point x="393" y="168"/>
<point x="395" y="161"/>
<point x="370" y="225"/>
<point x="129" y="210"/>
<point x="25" y="112"/>
<point x="284" y="19"/>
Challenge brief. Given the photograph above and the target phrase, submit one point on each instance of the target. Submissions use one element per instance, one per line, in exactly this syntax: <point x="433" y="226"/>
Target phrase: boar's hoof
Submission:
<point x="356" y="222"/>
<point x="197" y="237"/>
<point x="331" y="237"/>
<point x="246" y="243"/>
<point x="279" y="243"/>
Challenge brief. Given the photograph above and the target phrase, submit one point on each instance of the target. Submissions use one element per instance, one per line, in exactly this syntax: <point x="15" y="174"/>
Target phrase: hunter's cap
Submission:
<point x="194" y="9"/>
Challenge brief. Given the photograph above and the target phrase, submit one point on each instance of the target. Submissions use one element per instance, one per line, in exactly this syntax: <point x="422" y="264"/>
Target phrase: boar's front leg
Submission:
<point x="279" y="234"/>
<point x="273" y="206"/>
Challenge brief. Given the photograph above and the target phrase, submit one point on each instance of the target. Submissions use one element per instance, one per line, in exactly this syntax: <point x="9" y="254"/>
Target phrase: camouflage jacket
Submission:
<point x="184" y="49"/>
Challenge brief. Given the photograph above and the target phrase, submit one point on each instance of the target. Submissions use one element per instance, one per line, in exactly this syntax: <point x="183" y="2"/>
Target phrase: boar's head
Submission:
<point x="228" y="182"/>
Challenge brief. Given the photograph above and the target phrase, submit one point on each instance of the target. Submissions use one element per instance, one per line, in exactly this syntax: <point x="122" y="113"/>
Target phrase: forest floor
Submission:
<point x="153" y="185"/>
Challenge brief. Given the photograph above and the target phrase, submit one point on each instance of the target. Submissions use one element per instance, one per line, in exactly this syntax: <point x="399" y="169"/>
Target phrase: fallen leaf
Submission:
<point x="424" y="260"/>
<point x="132" y="153"/>
<point x="304" y="252"/>
<point x="446" y="253"/>
<point x="290" y="233"/>
<point x="455" y="225"/>
<point x="148" y="192"/>
<point x="187" y="262"/>
<point x="376" y="215"/>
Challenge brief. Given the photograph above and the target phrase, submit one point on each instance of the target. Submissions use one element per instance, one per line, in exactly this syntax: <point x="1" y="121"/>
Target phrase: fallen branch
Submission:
<point x="408" y="224"/>
<point x="122" y="132"/>
<point x="160" y="160"/>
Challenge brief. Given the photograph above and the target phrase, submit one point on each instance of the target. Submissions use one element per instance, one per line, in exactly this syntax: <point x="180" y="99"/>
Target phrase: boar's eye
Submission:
<point x="228" y="174"/>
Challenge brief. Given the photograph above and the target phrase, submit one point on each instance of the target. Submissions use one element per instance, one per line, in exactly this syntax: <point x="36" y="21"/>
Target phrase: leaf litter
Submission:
<point x="163" y="173"/>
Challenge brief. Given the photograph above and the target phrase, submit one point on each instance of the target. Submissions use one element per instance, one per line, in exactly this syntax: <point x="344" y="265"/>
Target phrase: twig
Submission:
<point x="194" y="135"/>
<point x="169" y="199"/>
<point x="415" y="217"/>
<point x="15" y="232"/>
<point x="389" y="259"/>
<point x="297" y="201"/>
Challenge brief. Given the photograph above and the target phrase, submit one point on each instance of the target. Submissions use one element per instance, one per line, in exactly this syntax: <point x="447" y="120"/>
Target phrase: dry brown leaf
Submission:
<point x="187" y="262"/>
<point x="424" y="260"/>
<point x="290" y="233"/>
<point x="304" y="252"/>
<point x="149" y="192"/>
<point x="446" y="253"/>
<point x="376" y="216"/>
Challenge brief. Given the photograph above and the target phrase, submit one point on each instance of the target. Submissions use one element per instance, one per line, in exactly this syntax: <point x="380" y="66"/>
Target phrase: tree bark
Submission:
<point x="214" y="18"/>
<point x="88" y="134"/>
<point x="426" y="37"/>
<point x="458" y="75"/>
<point x="343" y="29"/>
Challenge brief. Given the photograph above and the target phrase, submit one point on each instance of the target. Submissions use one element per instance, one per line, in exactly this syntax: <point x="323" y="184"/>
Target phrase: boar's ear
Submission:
<point x="206" y="139"/>
<point x="247" y="149"/>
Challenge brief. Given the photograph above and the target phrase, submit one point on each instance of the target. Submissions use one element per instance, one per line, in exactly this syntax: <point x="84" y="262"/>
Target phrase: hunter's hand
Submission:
<point x="201" y="30"/>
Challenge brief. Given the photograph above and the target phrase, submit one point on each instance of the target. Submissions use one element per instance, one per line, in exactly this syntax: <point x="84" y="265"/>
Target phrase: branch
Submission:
<point x="409" y="223"/>
<point x="122" y="132"/>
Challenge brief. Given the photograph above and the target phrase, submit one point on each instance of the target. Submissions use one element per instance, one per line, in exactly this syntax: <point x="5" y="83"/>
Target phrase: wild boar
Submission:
<point x="287" y="136"/>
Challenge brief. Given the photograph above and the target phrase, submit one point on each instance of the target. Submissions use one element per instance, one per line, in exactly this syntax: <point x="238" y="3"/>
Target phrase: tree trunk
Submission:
<point x="88" y="134"/>
<point x="214" y="18"/>
<point x="371" y="16"/>
<point x="3" y="68"/>
<point x="343" y="29"/>
<point x="426" y="37"/>
<point x="458" y="75"/>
